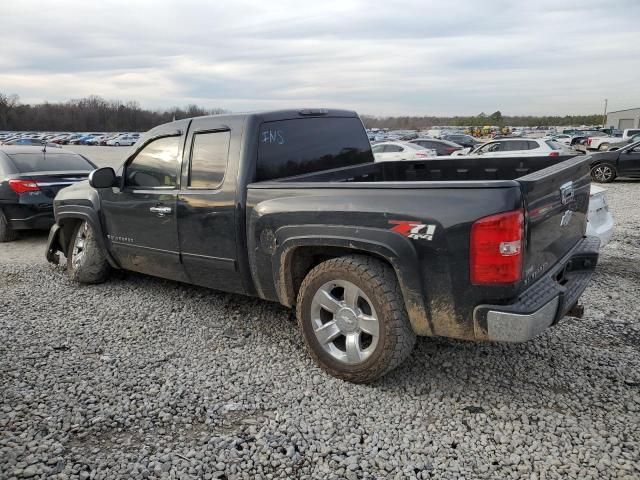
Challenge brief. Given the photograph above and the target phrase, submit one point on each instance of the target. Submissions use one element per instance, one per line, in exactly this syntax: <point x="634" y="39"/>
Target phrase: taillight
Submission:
<point x="554" y="154"/>
<point x="588" y="141"/>
<point x="496" y="249"/>
<point x="22" y="186"/>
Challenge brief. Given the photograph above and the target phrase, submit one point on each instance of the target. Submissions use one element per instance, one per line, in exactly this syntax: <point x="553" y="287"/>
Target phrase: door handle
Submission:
<point x="160" y="211"/>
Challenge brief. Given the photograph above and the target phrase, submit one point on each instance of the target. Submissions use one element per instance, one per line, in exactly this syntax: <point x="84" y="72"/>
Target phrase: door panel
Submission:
<point x="206" y="206"/>
<point x="143" y="240"/>
<point x="140" y="216"/>
<point x="629" y="162"/>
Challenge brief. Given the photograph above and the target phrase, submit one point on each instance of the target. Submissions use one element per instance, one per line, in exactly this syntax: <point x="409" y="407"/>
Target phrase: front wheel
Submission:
<point x="603" y="173"/>
<point x="86" y="261"/>
<point x="351" y="313"/>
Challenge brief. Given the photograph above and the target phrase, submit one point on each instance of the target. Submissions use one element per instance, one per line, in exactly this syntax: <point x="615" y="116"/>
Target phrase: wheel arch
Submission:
<point x="66" y="221"/>
<point x="300" y="249"/>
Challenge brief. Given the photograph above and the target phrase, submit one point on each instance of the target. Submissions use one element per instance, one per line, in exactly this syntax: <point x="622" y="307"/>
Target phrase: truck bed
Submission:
<point x="448" y="169"/>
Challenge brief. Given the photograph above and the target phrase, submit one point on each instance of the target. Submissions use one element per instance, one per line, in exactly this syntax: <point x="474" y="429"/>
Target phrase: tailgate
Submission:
<point x="556" y="200"/>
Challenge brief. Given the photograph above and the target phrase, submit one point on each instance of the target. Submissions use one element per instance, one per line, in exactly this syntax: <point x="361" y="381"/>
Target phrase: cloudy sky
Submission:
<point x="413" y="57"/>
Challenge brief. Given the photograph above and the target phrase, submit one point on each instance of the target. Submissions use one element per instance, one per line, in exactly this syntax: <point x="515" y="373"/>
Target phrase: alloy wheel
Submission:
<point x="345" y="322"/>
<point x="603" y="173"/>
<point x="79" y="245"/>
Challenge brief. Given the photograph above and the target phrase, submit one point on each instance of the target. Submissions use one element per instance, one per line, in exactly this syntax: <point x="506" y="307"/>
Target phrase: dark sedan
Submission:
<point x="625" y="162"/>
<point x="442" y="147"/>
<point x="30" y="142"/>
<point x="30" y="177"/>
<point x="467" y="141"/>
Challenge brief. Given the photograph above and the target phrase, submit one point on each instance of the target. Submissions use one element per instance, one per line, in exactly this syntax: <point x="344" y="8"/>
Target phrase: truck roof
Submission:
<point x="272" y="115"/>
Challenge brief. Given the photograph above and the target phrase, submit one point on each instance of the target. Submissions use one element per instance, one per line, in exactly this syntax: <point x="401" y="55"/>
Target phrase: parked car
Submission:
<point x="71" y="138"/>
<point x="290" y="206"/>
<point x="600" y="221"/>
<point x="606" y="143"/>
<point x="96" y="140"/>
<point x="467" y="141"/>
<point x="510" y="147"/>
<point x="29" y="180"/>
<point x="624" y="162"/>
<point x="442" y="147"/>
<point x="31" y="142"/>
<point x="392" y="151"/>
<point x="84" y="140"/>
<point x="127" y="140"/>
<point x="562" y="138"/>
<point x="60" y="138"/>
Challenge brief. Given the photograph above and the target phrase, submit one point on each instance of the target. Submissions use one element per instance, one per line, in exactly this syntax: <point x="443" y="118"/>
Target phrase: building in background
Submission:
<point x="629" y="118"/>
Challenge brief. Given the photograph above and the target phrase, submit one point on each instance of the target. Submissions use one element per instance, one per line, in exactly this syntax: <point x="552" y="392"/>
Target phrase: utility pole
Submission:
<point x="604" y="117"/>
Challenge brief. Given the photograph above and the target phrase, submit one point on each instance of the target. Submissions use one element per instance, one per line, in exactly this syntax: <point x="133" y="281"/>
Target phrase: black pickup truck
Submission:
<point x="290" y="206"/>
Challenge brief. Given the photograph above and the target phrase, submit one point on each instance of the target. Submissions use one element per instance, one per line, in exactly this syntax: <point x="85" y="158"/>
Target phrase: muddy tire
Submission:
<point x="603" y="173"/>
<point x="86" y="261"/>
<point x="352" y="316"/>
<point x="7" y="234"/>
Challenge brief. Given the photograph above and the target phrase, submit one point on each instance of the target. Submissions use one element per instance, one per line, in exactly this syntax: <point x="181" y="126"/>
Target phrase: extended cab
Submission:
<point x="289" y="206"/>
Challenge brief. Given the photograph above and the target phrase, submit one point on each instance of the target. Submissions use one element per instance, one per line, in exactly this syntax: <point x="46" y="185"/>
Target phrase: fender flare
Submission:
<point x="57" y="242"/>
<point x="391" y="247"/>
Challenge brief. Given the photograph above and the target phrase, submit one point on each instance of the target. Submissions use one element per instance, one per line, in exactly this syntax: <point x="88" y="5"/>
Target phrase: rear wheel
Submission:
<point x="603" y="173"/>
<point x="7" y="234"/>
<point x="117" y="144"/>
<point x="604" y="147"/>
<point x="86" y="262"/>
<point x="352" y="316"/>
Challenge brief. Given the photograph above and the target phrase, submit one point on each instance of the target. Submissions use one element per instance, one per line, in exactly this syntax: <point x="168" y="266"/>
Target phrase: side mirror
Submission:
<point x="102" y="178"/>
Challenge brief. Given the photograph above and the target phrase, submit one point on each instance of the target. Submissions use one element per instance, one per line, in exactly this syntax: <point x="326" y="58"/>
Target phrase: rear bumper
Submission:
<point x="37" y="221"/>
<point x="603" y="228"/>
<point x="544" y="303"/>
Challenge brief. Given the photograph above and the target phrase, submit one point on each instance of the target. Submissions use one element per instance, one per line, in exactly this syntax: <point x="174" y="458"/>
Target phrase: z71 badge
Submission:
<point x="414" y="230"/>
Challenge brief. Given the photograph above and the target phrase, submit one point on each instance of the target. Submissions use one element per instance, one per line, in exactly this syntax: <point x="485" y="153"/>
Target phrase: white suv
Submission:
<point x="517" y="147"/>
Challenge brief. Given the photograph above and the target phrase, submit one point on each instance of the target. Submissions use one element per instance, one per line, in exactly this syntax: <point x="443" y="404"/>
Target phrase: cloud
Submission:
<point x="386" y="58"/>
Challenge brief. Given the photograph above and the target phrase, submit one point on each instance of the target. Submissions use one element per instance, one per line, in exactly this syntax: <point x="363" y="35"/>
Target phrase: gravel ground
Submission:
<point x="146" y="378"/>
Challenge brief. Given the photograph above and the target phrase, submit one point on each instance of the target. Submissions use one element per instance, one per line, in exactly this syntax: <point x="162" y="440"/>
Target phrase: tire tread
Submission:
<point x="382" y="280"/>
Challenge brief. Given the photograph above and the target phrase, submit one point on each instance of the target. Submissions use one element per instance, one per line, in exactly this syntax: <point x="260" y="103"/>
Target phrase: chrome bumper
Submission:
<point x="516" y="327"/>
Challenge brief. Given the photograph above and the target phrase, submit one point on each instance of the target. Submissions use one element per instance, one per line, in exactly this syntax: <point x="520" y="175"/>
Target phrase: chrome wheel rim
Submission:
<point x="79" y="245"/>
<point x="602" y="173"/>
<point x="345" y="322"/>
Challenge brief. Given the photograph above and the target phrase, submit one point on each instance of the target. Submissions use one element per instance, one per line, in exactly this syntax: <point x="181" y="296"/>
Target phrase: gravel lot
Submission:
<point x="146" y="378"/>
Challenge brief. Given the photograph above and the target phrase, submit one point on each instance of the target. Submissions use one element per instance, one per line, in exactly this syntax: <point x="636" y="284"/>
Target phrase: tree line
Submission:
<point x="95" y="114"/>
<point x="91" y="114"/>
<point x="480" y="120"/>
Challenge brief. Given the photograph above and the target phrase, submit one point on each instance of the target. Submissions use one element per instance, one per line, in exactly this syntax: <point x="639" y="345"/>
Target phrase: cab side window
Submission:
<point x="209" y="154"/>
<point x="155" y="166"/>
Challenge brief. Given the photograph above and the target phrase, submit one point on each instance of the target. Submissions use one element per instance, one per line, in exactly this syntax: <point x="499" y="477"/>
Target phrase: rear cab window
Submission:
<point x="50" y="162"/>
<point x="209" y="155"/>
<point x="306" y="145"/>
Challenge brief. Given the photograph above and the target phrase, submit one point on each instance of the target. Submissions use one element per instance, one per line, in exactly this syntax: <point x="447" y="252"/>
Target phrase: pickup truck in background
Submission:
<point x="607" y="143"/>
<point x="289" y="206"/>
